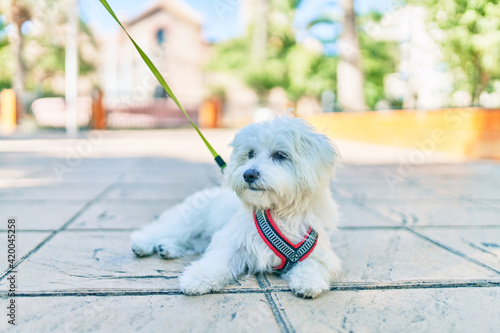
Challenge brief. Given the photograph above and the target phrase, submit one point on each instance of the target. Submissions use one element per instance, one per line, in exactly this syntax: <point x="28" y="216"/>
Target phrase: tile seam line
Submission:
<point x="363" y="228"/>
<point x="452" y="250"/>
<point x="265" y="288"/>
<point x="279" y="315"/>
<point x="87" y="205"/>
<point x="482" y="201"/>
<point x="430" y="240"/>
<point x="111" y="293"/>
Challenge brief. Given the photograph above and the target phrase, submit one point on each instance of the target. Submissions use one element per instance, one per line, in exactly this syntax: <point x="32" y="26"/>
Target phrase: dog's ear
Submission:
<point x="318" y="157"/>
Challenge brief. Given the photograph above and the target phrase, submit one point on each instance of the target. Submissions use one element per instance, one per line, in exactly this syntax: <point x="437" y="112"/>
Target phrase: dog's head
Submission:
<point x="278" y="163"/>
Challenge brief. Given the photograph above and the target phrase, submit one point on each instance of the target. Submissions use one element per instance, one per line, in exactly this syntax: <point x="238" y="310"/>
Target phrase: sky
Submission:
<point x="219" y="24"/>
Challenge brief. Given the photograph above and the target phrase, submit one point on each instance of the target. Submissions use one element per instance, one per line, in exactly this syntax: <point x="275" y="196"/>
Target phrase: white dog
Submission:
<point x="274" y="214"/>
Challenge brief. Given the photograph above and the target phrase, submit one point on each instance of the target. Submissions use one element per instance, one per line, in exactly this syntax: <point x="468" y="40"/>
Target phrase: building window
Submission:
<point x="160" y="37"/>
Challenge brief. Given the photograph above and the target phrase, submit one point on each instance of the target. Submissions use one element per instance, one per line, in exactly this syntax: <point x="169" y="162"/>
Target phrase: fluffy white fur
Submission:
<point x="218" y="222"/>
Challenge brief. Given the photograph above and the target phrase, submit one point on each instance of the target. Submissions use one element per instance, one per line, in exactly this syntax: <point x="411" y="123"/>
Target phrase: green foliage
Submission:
<point x="470" y="41"/>
<point x="6" y="68"/>
<point x="297" y="69"/>
<point x="288" y="64"/>
<point x="378" y="58"/>
<point x="53" y="51"/>
<point x="3" y="35"/>
<point x="5" y="64"/>
<point x="44" y="45"/>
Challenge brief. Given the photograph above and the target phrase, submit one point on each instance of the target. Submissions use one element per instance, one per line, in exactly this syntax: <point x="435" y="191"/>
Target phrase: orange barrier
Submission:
<point x="7" y="111"/>
<point x="467" y="131"/>
<point x="209" y="113"/>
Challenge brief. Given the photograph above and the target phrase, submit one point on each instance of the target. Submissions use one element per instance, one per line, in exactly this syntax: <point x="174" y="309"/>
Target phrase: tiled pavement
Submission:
<point x="420" y="244"/>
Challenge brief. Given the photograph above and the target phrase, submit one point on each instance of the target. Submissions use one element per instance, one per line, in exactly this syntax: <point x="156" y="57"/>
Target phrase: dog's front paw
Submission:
<point x="307" y="291"/>
<point x="193" y="285"/>
<point x="309" y="280"/>
<point x="199" y="279"/>
<point x="141" y="246"/>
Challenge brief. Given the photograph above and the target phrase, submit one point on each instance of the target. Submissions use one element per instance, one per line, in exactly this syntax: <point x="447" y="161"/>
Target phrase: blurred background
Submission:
<point x="343" y="65"/>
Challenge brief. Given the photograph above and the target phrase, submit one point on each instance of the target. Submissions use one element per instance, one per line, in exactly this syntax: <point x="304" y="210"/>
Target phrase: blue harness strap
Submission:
<point x="289" y="253"/>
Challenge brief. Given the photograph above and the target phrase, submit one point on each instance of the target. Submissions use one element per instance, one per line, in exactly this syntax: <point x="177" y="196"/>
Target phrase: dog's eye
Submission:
<point x="251" y="154"/>
<point x="280" y="156"/>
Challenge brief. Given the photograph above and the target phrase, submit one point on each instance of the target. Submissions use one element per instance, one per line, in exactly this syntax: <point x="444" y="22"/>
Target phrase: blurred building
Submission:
<point x="169" y="32"/>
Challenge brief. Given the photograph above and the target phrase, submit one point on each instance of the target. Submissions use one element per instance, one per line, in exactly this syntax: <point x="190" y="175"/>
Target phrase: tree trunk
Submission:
<point x="19" y="14"/>
<point x="259" y="38"/>
<point x="20" y="69"/>
<point x="349" y="75"/>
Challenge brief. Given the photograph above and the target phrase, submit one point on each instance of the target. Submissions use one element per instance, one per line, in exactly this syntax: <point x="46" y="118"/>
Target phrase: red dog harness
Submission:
<point x="289" y="253"/>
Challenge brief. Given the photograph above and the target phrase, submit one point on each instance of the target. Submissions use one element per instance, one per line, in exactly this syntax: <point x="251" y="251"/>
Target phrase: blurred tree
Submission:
<point x="470" y="40"/>
<point x="5" y="72"/>
<point x="377" y="58"/>
<point x="282" y="62"/>
<point x="304" y="70"/>
<point x="17" y="12"/>
<point x="259" y="29"/>
<point x="349" y="73"/>
<point x="37" y="44"/>
<point x="3" y="34"/>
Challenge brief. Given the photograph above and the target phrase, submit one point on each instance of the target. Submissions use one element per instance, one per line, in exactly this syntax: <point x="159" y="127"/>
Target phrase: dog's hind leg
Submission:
<point x="220" y="265"/>
<point x="180" y="230"/>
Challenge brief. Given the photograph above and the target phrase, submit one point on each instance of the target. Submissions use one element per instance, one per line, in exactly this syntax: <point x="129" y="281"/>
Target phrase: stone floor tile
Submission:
<point x="364" y="173"/>
<point x="482" y="244"/>
<point x="25" y="242"/>
<point x="432" y="212"/>
<point x="25" y="160"/>
<point x="355" y="215"/>
<point x="101" y="260"/>
<point x="121" y="214"/>
<point x="467" y="190"/>
<point x="456" y="206"/>
<point x="14" y="173"/>
<point x="143" y="191"/>
<point x="116" y="164"/>
<point x="396" y="255"/>
<point x="211" y="313"/>
<point x="495" y="204"/>
<point x="387" y="191"/>
<point x="477" y="171"/>
<point x="39" y="214"/>
<point x="165" y="164"/>
<point x="202" y="175"/>
<point x="405" y="310"/>
<point x="52" y="191"/>
<point x="76" y="175"/>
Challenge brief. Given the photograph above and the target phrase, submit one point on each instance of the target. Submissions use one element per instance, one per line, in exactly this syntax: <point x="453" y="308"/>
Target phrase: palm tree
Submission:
<point x="18" y="13"/>
<point x="259" y="27"/>
<point x="349" y="74"/>
<point x="46" y="38"/>
<point x="350" y="80"/>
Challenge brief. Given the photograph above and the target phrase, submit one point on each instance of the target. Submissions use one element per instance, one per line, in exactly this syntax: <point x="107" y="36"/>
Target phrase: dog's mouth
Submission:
<point x="256" y="188"/>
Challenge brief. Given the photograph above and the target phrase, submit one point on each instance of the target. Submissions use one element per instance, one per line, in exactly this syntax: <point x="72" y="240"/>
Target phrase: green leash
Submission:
<point x="165" y="86"/>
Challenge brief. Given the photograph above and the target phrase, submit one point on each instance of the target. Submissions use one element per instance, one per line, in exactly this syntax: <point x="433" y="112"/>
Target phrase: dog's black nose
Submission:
<point x="251" y="175"/>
